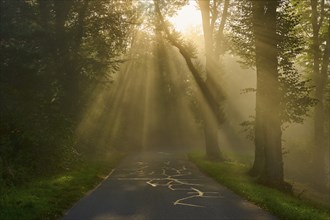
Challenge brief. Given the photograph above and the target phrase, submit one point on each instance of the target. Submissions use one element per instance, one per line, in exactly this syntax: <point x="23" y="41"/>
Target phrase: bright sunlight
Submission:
<point x="187" y="18"/>
<point x="164" y="109"/>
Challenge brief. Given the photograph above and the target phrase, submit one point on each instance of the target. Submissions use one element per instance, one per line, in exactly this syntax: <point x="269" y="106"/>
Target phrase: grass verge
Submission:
<point x="50" y="197"/>
<point x="234" y="176"/>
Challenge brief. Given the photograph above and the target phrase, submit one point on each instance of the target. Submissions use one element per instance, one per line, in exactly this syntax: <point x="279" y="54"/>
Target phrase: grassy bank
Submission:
<point x="50" y="197"/>
<point x="234" y="176"/>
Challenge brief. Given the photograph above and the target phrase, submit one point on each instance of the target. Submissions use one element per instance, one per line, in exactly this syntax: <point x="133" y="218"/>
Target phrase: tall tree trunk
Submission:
<point x="268" y="164"/>
<point x="320" y="76"/>
<point x="259" y="140"/>
<point x="210" y="129"/>
<point x="208" y="39"/>
<point x="219" y="50"/>
<point x="211" y="138"/>
<point x="258" y="28"/>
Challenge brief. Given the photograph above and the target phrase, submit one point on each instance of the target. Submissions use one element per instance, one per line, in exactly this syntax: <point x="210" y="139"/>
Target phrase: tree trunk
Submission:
<point x="273" y="172"/>
<point x="268" y="164"/>
<point x="320" y="78"/>
<point x="219" y="50"/>
<point x="210" y="130"/>
<point x="211" y="113"/>
<point x="259" y="140"/>
<point x="211" y="138"/>
<point x="208" y="39"/>
<point x="259" y="159"/>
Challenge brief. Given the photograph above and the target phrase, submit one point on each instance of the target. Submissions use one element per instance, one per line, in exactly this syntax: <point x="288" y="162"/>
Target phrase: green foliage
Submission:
<point x="44" y="197"/>
<point x="248" y="128"/>
<point x="235" y="177"/>
<point x="295" y="91"/>
<point x="305" y="31"/>
<point x="241" y="36"/>
<point x="53" y="54"/>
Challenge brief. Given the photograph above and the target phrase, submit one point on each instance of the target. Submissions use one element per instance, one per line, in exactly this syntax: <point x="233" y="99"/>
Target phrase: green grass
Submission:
<point x="50" y="197"/>
<point x="234" y="176"/>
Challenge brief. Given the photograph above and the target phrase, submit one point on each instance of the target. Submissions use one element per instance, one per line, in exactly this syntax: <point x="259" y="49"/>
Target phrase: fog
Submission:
<point x="155" y="104"/>
<point x="142" y="93"/>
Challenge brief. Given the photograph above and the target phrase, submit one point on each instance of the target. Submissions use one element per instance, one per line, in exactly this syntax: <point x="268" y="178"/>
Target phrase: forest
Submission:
<point x="235" y="80"/>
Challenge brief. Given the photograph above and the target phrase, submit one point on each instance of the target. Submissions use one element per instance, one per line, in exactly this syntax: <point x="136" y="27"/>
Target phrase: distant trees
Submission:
<point x="320" y="19"/>
<point x="315" y="29"/>
<point x="53" y="53"/>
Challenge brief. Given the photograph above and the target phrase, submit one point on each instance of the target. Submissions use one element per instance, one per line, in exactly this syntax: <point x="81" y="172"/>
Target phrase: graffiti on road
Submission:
<point x="174" y="178"/>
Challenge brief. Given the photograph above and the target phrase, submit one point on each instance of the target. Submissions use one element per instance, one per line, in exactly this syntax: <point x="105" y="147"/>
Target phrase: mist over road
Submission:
<point x="162" y="185"/>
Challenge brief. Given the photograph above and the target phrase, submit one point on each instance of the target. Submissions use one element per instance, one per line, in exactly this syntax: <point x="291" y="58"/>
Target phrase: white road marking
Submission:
<point x="172" y="181"/>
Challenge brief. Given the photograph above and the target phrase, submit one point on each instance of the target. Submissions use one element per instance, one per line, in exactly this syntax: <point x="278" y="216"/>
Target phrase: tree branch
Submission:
<point x="210" y="99"/>
<point x="219" y="39"/>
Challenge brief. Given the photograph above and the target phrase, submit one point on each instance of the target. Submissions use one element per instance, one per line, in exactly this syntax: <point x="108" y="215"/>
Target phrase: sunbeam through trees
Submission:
<point x="243" y="81"/>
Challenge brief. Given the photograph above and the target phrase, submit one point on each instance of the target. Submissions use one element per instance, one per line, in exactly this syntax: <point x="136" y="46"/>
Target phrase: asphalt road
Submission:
<point x="159" y="185"/>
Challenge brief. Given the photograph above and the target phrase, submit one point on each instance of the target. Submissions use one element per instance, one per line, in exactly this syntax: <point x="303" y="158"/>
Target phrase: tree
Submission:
<point x="268" y="123"/>
<point x="213" y="49"/>
<point x="210" y="125"/>
<point x="320" y="76"/>
<point x="214" y="17"/>
<point x="220" y="42"/>
<point x="53" y="54"/>
<point x="314" y="29"/>
<point x="320" y="23"/>
<point x="212" y="113"/>
<point x="254" y="34"/>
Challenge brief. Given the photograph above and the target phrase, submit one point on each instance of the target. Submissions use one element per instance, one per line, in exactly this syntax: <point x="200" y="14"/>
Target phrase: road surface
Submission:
<point x="159" y="185"/>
